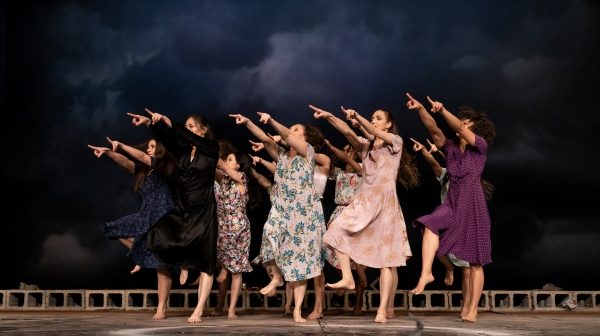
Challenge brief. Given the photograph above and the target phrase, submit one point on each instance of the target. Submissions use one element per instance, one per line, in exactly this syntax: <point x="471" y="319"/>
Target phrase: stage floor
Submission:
<point x="268" y="323"/>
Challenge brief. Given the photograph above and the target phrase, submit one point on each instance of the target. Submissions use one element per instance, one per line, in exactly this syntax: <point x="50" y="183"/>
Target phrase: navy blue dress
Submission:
<point x="157" y="200"/>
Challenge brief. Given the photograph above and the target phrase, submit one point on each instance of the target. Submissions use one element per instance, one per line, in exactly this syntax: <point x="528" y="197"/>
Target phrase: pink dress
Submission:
<point x="371" y="229"/>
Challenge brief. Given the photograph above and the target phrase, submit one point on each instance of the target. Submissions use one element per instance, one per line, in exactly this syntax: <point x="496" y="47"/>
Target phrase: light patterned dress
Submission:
<point x="233" y="242"/>
<point x="371" y="229"/>
<point x="296" y="222"/>
<point x="346" y="186"/>
<point x="266" y="251"/>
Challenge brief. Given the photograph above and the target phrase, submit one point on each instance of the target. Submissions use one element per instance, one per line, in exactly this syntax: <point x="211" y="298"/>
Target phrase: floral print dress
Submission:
<point x="295" y="225"/>
<point x="233" y="242"/>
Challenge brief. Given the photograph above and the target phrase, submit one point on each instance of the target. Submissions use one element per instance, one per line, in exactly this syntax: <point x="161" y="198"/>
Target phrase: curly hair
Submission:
<point x="408" y="173"/>
<point x="482" y="125"/>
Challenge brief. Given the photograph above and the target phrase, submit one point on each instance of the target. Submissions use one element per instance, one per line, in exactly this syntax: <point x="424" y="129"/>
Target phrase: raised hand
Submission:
<point x="326" y="142"/>
<point x="255" y="159"/>
<point x="350" y="114"/>
<point x="264" y="117"/>
<point x="138" y="120"/>
<point x="114" y="143"/>
<point x="432" y="147"/>
<point x="154" y="116"/>
<point x="239" y="119"/>
<point x="276" y="138"/>
<point x="99" y="151"/>
<point x="257" y="146"/>
<point x="319" y="113"/>
<point x="412" y="103"/>
<point x="417" y="146"/>
<point x="436" y="106"/>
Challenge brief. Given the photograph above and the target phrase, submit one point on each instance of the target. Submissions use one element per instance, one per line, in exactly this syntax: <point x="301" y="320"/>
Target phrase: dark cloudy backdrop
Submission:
<point x="73" y="69"/>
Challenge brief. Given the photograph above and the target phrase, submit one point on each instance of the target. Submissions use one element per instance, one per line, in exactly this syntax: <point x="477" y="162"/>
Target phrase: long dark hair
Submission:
<point x="164" y="164"/>
<point x="201" y="120"/>
<point x="254" y="195"/>
<point x="408" y="173"/>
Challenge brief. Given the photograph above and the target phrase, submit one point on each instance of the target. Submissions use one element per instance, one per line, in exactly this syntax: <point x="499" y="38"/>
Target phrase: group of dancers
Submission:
<point x="195" y="191"/>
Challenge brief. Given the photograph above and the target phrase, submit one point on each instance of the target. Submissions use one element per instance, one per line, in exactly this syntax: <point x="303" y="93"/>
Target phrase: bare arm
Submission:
<point x="339" y="125"/>
<point x="232" y="173"/>
<point x="268" y="142"/>
<point x="119" y="159"/>
<point x="418" y="147"/>
<point x="340" y="154"/>
<point x="271" y="166"/>
<point x="435" y="132"/>
<point x="299" y="145"/>
<point x="132" y="152"/>
<point x="323" y="163"/>
<point x="387" y="137"/>
<point x="458" y="126"/>
<point x="261" y="179"/>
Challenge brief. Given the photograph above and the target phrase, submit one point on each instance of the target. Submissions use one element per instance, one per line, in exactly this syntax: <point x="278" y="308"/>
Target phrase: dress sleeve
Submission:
<point x="480" y="145"/>
<point x="165" y="135"/>
<point x="396" y="145"/>
<point x="205" y="146"/>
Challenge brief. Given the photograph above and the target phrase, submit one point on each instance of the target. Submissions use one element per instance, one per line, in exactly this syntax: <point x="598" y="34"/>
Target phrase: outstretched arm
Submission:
<point x="418" y="147"/>
<point x="387" y="137"/>
<point x="271" y="166"/>
<point x="339" y="125"/>
<point x="119" y="159"/>
<point x="436" y="133"/>
<point x="261" y="179"/>
<point x="132" y="152"/>
<point x="232" y="173"/>
<point x="342" y="156"/>
<point x="299" y="145"/>
<point x="454" y="123"/>
<point x="267" y="141"/>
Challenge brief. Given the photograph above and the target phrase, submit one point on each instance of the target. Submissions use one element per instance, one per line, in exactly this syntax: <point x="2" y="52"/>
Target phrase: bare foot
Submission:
<point x="287" y="311"/>
<point x="298" y="318"/>
<point x="216" y="312"/>
<point x="449" y="279"/>
<point x="470" y="317"/>
<point x="315" y="315"/>
<point x="183" y="275"/>
<point x="136" y="269"/>
<point x="222" y="275"/>
<point x="380" y="318"/>
<point x="423" y="281"/>
<point x="195" y="317"/>
<point x="159" y="315"/>
<point x="269" y="290"/>
<point x="464" y="312"/>
<point x="231" y="316"/>
<point x="389" y="313"/>
<point x="344" y="283"/>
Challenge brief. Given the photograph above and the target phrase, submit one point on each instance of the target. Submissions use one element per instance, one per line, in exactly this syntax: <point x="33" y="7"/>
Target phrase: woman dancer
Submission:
<point x="187" y="236"/>
<point x="152" y="171"/>
<point x="371" y="230"/>
<point x="296" y="215"/>
<point x="233" y="244"/>
<point x="461" y="225"/>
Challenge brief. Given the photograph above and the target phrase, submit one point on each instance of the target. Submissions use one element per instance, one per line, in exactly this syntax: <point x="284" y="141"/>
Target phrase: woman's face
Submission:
<point x="231" y="162"/>
<point x="151" y="149"/>
<point x="298" y="130"/>
<point x="195" y="128"/>
<point x="380" y="121"/>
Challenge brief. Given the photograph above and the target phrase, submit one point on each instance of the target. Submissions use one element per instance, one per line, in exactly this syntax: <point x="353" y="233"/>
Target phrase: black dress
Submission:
<point x="187" y="235"/>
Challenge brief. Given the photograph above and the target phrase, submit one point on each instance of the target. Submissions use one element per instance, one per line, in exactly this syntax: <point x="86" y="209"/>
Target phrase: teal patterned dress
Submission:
<point x="296" y="224"/>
